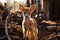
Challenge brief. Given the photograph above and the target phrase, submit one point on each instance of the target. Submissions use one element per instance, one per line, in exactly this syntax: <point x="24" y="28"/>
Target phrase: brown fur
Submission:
<point x="31" y="31"/>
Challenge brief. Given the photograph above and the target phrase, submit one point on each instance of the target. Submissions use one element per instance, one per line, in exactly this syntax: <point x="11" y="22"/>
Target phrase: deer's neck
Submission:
<point x="27" y="18"/>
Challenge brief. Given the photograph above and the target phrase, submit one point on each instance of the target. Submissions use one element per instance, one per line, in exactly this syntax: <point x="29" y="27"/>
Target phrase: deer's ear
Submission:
<point x="32" y="8"/>
<point x="21" y="7"/>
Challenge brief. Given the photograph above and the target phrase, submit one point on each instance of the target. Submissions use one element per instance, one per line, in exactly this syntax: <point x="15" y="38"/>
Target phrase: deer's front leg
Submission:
<point x="36" y="33"/>
<point x="28" y="35"/>
<point x="23" y="29"/>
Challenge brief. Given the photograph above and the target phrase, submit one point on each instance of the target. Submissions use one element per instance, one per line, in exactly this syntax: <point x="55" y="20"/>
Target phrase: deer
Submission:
<point x="29" y="25"/>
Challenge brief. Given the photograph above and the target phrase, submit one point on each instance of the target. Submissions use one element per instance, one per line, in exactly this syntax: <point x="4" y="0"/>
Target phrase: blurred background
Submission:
<point x="47" y="15"/>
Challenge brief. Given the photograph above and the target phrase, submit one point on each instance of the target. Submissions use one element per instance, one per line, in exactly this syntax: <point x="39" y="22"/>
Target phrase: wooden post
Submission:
<point x="28" y="3"/>
<point x="42" y="6"/>
<point x="38" y="8"/>
<point x="33" y="2"/>
<point x="51" y="15"/>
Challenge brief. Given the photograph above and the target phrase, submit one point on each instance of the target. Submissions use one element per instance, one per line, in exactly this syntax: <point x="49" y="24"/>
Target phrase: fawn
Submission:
<point x="29" y="25"/>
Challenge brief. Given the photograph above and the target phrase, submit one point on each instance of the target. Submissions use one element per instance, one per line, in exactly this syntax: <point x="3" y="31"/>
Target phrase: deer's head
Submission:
<point x="27" y="10"/>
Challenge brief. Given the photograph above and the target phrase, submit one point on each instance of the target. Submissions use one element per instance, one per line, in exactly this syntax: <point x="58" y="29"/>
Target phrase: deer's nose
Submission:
<point x="26" y="16"/>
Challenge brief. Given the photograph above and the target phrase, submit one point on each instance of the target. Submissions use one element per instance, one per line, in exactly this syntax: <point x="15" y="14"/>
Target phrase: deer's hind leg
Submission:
<point x="35" y="34"/>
